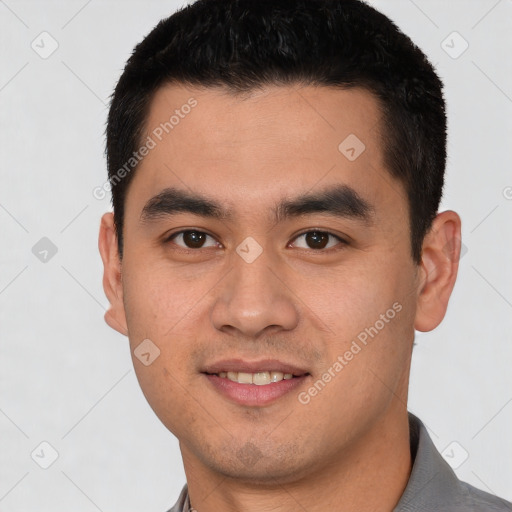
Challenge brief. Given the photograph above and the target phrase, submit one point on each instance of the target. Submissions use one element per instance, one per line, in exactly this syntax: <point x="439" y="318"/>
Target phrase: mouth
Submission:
<point x="254" y="383"/>
<point x="262" y="378"/>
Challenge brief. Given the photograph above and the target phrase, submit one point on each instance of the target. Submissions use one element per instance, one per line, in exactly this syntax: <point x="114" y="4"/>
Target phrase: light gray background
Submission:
<point x="66" y="378"/>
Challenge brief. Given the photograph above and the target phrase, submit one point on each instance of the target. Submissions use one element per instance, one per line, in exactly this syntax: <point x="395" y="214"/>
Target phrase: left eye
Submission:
<point x="318" y="240"/>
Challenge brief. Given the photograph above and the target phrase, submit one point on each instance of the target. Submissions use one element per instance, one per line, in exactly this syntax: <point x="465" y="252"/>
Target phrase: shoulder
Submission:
<point x="476" y="500"/>
<point x="433" y="485"/>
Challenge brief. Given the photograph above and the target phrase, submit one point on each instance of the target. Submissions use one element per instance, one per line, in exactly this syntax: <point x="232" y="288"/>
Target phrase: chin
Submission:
<point x="252" y="465"/>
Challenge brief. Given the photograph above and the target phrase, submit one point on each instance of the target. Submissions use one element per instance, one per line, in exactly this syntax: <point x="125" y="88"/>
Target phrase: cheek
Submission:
<point x="157" y="298"/>
<point x="346" y="300"/>
<point x="158" y="307"/>
<point x="163" y="307"/>
<point x="367" y="317"/>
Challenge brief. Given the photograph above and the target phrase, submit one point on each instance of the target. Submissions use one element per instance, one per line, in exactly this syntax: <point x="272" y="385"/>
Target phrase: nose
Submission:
<point x="254" y="297"/>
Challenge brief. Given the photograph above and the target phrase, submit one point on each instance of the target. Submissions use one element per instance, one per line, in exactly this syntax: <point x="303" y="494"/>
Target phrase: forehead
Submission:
<point x="264" y="144"/>
<point x="224" y="117"/>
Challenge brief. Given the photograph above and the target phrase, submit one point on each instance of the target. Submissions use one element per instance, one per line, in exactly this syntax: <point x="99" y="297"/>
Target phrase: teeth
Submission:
<point x="244" y="378"/>
<point x="233" y="376"/>
<point x="259" y="378"/>
<point x="276" y="376"/>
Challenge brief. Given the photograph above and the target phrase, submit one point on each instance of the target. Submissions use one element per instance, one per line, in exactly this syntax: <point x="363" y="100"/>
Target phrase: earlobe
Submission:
<point x="111" y="320"/>
<point x="112" y="284"/>
<point x="439" y="266"/>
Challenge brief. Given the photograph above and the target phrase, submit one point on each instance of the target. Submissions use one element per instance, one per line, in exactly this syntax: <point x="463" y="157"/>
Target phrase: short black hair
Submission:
<point x="243" y="45"/>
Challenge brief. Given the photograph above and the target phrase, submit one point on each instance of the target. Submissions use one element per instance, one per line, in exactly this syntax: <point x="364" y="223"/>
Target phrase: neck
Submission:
<point x="370" y="476"/>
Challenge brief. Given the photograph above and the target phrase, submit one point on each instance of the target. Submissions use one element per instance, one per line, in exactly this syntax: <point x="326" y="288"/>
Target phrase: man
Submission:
<point x="276" y="169"/>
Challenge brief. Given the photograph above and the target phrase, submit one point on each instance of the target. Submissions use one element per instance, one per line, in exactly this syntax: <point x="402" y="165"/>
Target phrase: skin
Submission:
<point x="348" y="448"/>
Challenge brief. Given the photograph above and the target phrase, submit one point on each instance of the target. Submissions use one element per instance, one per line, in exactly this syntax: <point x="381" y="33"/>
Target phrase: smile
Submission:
<point x="255" y="389"/>
<point x="258" y="378"/>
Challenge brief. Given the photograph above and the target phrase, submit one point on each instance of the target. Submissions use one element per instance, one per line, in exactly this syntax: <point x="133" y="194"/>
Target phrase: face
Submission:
<point x="322" y="287"/>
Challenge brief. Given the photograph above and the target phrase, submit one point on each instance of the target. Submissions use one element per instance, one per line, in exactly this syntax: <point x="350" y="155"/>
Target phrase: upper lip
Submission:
<point x="266" y="365"/>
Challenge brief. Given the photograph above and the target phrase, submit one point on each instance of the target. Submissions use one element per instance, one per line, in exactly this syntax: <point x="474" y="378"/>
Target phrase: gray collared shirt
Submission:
<point x="432" y="486"/>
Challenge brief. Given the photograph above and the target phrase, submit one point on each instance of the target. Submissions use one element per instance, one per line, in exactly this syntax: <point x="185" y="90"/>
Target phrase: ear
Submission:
<point x="438" y="270"/>
<point x="112" y="283"/>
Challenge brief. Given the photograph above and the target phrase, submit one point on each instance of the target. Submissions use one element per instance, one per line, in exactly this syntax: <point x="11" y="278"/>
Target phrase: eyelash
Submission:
<point x="329" y="250"/>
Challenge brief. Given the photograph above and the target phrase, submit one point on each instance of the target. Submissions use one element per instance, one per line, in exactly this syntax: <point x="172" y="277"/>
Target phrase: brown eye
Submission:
<point x="190" y="239"/>
<point x="317" y="240"/>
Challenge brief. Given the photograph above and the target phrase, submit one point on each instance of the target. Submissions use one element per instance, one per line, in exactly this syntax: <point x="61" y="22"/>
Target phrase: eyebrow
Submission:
<point x="339" y="201"/>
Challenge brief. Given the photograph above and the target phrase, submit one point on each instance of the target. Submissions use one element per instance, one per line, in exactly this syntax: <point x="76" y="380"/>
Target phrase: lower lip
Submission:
<point x="252" y="394"/>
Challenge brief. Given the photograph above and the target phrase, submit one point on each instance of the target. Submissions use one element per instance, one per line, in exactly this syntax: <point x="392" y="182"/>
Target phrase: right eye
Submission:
<point x="190" y="239"/>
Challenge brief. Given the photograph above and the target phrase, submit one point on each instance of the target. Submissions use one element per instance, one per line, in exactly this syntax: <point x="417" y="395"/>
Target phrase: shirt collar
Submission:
<point x="432" y="484"/>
